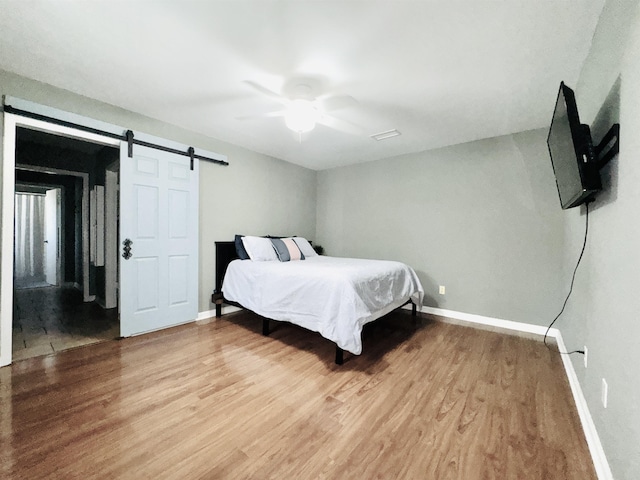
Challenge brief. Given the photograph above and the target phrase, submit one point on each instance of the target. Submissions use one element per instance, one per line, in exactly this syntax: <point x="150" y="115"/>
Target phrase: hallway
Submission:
<point x="51" y="319"/>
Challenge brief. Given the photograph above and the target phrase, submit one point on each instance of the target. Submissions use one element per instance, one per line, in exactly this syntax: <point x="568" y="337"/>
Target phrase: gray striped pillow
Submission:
<point x="286" y="249"/>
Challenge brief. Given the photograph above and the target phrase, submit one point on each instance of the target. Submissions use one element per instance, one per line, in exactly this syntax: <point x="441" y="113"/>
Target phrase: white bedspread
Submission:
<point x="332" y="296"/>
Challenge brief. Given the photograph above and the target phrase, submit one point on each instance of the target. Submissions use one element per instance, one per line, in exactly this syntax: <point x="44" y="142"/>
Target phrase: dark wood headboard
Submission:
<point x="225" y="254"/>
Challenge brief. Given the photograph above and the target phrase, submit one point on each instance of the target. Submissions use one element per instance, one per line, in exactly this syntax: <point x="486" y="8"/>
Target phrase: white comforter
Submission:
<point x="330" y="295"/>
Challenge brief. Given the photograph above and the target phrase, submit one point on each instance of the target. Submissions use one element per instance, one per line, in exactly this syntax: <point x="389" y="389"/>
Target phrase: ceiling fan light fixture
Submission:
<point x="301" y="116"/>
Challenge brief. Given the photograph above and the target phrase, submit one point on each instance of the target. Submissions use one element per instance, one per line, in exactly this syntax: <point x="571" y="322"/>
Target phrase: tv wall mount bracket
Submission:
<point x="609" y="146"/>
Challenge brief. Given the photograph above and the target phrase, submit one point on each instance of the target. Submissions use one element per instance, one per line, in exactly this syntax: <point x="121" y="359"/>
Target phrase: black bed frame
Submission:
<point x="225" y="254"/>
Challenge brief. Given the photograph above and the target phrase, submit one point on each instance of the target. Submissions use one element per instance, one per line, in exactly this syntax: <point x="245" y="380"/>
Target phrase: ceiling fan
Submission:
<point x="302" y="110"/>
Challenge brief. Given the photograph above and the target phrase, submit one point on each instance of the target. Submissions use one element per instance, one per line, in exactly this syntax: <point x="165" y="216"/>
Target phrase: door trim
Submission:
<point x="11" y="123"/>
<point x="111" y="235"/>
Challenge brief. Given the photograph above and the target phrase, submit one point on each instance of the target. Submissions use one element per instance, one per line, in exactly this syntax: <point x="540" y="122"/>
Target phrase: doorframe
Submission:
<point x="111" y="281"/>
<point x="11" y="124"/>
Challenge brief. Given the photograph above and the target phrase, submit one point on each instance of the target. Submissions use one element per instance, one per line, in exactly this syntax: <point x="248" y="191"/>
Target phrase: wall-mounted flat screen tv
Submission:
<point x="572" y="153"/>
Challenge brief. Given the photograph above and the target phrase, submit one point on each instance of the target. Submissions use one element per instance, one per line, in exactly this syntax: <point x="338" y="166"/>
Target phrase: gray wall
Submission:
<point x="482" y="219"/>
<point x="604" y="311"/>
<point x="256" y="194"/>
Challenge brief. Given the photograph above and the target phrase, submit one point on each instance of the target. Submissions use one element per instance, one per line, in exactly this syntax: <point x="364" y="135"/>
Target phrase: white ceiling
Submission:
<point x="441" y="72"/>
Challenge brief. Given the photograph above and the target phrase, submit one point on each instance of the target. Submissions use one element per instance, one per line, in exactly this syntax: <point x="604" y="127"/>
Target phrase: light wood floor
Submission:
<point x="219" y="400"/>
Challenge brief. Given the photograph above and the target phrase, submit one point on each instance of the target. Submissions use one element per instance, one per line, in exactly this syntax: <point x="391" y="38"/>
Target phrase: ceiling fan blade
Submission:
<point x="277" y="113"/>
<point x="331" y="103"/>
<point x="269" y="93"/>
<point x="340" y="125"/>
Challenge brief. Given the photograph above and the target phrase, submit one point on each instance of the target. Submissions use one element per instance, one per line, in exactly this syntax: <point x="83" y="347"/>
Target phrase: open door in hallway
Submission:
<point x="51" y="236"/>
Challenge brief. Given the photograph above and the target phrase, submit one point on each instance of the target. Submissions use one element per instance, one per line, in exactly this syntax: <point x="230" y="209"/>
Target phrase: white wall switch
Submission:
<point x="605" y="393"/>
<point x="441" y="290"/>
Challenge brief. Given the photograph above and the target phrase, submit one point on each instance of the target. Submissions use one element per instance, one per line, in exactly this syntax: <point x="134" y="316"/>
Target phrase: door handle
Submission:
<point x="126" y="251"/>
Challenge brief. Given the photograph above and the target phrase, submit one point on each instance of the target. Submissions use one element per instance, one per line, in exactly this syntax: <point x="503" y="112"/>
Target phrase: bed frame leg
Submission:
<point x="265" y="327"/>
<point x="339" y="355"/>
<point x="217" y="298"/>
<point x="414" y="317"/>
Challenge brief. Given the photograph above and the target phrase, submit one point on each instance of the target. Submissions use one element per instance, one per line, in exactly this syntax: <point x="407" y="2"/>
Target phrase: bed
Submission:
<point x="333" y="296"/>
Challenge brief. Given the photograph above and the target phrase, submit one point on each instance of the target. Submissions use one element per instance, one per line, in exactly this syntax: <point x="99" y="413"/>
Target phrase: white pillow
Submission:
<point x="259" y="249"/>
<point x="305" y="247"/>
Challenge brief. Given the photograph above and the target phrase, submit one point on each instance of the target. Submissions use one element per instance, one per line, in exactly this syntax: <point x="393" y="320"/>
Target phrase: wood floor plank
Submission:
<point x="220" y="400"/>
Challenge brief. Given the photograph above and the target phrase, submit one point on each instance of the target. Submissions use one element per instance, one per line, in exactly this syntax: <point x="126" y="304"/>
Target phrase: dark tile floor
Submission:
<point x="51" y="319"/>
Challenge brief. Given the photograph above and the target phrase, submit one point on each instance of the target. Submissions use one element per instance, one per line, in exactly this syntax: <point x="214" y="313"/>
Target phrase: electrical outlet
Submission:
<point x="605" y="393"/>
<point x="441" y="290"/>
<point x="586" y="352"/>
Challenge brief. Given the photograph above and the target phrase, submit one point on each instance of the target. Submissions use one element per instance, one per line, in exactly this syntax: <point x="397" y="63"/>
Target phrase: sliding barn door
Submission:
<point x="158" y="240"/>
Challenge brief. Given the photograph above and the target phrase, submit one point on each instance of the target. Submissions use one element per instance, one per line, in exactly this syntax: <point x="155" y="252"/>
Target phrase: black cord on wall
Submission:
<point x="573" y="279"/>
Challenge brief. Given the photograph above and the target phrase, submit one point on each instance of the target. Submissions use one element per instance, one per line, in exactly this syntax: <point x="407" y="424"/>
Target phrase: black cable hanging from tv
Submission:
<point x="573" y="279"/>
<point x="128" y="136"/>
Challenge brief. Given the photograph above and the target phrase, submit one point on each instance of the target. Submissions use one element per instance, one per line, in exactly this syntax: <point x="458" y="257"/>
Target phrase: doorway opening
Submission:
<point x="36" y="248"/>
<point x="155" y="284"/>
<point x="63" y="295"/>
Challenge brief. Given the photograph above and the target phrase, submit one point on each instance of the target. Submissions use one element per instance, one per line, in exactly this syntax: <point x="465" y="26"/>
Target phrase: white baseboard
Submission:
<point x="208" y="314"/>
<point x="489" y="321"/>
<point x="593" y="440"/>
<point x="603" y="471"/>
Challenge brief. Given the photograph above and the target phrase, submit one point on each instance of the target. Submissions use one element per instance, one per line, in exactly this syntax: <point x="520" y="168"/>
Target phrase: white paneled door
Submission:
<point x="158" y="243"/>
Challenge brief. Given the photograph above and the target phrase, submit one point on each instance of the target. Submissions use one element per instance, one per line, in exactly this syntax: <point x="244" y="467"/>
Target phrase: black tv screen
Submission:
<point x="572" y="154"/>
